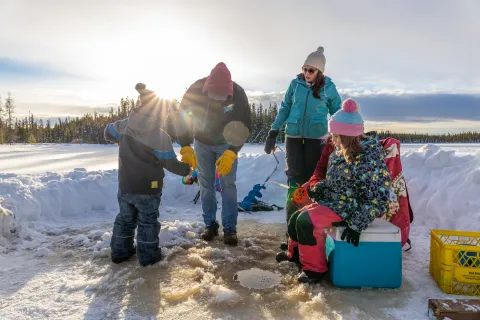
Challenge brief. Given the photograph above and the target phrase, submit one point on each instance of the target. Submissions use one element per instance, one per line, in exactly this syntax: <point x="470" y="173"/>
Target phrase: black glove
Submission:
<point x="270" y="142"/>
<point x="315" y="193"/>
<point x="310" y="193"/>
<point x="352" y="236"/>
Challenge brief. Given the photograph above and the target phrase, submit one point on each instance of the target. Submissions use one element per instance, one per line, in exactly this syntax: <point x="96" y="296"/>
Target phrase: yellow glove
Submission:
<point x="225" y="162"/>
<point x="189" y="157"/>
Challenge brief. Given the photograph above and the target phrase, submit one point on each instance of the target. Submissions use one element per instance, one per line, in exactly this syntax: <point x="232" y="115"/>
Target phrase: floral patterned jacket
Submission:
<point x="358" y="192"/>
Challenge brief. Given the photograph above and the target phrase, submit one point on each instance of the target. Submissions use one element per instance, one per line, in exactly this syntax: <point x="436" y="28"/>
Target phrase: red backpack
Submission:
<point x="400" y="213"/>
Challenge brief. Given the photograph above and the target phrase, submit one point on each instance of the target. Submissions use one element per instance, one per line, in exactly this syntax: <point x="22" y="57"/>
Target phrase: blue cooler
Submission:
<point x="375" y="263"/>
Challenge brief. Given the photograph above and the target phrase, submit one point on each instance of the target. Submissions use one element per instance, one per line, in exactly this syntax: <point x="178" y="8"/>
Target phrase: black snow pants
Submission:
<point x="302" y="156"/>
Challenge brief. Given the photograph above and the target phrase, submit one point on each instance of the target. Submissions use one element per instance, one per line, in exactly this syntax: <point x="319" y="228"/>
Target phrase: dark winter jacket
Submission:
<point x="205" y="120"/>
<point x="358" y="192"/>
<point x="145" y="149"/>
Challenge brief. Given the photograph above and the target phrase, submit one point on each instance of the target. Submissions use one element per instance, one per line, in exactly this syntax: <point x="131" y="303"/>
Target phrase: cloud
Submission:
<point x="435" y="127"/>
<point x="402" y="106"/>
<point x="265" y="98"/>
<point x="28" y="70"/>
<point x="420" y="107"/>
<point x="386" y="63"/>
<point x="388" y="48"/>
<point x="53" y="111"/>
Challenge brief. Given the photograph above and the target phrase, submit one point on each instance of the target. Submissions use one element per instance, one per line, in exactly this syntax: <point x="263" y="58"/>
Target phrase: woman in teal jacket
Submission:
<point x="308" y="100"/>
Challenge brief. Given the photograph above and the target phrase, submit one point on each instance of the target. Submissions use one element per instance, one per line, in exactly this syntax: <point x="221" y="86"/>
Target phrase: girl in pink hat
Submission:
<point x="355" y="191"/>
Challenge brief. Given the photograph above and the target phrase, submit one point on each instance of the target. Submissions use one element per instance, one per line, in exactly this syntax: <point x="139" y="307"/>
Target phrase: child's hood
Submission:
<point x="372" y="146"/>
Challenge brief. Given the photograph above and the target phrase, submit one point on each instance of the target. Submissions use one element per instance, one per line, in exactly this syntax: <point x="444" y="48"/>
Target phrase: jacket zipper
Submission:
<point x="305" y="114"/>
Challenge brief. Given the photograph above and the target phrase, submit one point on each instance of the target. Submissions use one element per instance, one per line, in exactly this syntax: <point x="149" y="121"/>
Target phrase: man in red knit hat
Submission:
<point x="214" y="115"/>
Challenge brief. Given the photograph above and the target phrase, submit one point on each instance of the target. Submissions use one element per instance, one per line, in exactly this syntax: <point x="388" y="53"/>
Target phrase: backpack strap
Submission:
<point x="409" y="206"/>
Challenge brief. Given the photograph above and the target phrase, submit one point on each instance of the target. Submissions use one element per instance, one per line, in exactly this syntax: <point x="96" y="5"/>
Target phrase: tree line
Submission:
<point x="86" y="129"/>
<point x="89" y="128"/>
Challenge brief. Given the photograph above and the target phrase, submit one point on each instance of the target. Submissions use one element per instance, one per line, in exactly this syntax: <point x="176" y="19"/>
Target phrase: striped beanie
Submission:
<point x="347" y="121"/>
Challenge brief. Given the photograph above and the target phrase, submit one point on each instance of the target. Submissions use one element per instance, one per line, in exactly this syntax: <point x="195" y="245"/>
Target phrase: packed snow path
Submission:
<point x="56" y="265"/>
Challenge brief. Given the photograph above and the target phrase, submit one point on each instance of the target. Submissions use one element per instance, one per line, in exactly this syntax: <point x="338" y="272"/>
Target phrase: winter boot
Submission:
<point x="283" y="256"/>
<point x="209" y="234"/>
<point x="230" y="238"/>
<point x="310" y="277"/>
<point x="284" y="246"/>
<point x="119" y="259"/>
<point x="158" y="258"/>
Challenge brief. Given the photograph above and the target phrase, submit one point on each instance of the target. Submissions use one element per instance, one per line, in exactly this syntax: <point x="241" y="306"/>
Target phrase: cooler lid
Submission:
<point x="381" y="226"/>
<point x="378" y="231"/>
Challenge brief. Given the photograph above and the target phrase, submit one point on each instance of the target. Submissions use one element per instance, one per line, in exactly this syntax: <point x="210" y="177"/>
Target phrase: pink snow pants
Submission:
<point x="306" y="231"/>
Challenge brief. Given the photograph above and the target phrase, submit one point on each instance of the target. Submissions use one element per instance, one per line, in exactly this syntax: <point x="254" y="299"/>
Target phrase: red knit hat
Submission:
<point x="219" y="81"/>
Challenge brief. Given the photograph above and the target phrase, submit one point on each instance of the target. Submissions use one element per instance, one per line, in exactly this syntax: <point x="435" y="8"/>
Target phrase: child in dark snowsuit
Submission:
<point x="355" y="192"/>
<point x="145" y="149"/>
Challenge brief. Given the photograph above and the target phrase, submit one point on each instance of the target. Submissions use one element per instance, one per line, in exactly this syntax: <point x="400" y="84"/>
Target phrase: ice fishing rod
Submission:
<point x="300" y="195"/>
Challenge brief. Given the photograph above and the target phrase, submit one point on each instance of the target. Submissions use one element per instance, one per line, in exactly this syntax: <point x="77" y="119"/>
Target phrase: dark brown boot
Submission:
<point x="230" y="238"/>
<point x="209" y="234"/>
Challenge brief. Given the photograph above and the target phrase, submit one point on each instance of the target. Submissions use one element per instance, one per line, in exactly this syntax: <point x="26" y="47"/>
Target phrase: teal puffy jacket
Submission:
<point x="305" y="115"/>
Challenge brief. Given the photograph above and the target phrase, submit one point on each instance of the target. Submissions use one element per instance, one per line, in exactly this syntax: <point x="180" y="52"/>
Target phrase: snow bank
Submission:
<point x="7" y="222"/>
<point x="7" y="227"/>
<point x="443" y="186"/>
<point x="55" y="196"/>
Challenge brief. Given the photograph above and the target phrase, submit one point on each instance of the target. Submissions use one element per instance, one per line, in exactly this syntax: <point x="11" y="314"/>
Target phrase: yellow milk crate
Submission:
<point x="455" y="261"/>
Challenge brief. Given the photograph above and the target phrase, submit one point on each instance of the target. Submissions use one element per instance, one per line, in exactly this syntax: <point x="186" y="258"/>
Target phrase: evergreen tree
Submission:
<point x="31" y="138"/>
<point x="48" y="132"/>
<point x="9" y="110"/>
<point x="131" y="106"/>
<point x="40" y="132"/>
<point x="2" y="124"/>
<point x="260" y="125"/>
<point x="254" y="129"/>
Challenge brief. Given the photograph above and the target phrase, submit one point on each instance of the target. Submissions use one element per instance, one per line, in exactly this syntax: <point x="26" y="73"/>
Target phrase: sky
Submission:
<point x="412" y="65"/>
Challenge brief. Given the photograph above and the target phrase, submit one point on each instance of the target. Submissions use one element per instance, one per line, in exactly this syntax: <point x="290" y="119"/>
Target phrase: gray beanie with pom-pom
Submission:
<point x="316" y="59"/>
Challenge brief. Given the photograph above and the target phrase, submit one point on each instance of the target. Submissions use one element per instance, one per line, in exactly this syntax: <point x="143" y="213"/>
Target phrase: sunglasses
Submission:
<point x="309" y="70"/>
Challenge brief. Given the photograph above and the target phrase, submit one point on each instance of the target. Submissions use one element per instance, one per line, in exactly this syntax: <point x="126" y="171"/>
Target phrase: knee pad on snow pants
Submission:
<point x="307" y="228"/>
<point x="300" y="228"/>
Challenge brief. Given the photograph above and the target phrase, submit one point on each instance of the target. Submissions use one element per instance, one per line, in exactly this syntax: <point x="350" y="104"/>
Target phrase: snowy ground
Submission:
<point x="56" y="264"/>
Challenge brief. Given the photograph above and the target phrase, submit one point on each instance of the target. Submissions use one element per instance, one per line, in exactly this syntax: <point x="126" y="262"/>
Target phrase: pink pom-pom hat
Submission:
<point x="347" y="121"/>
